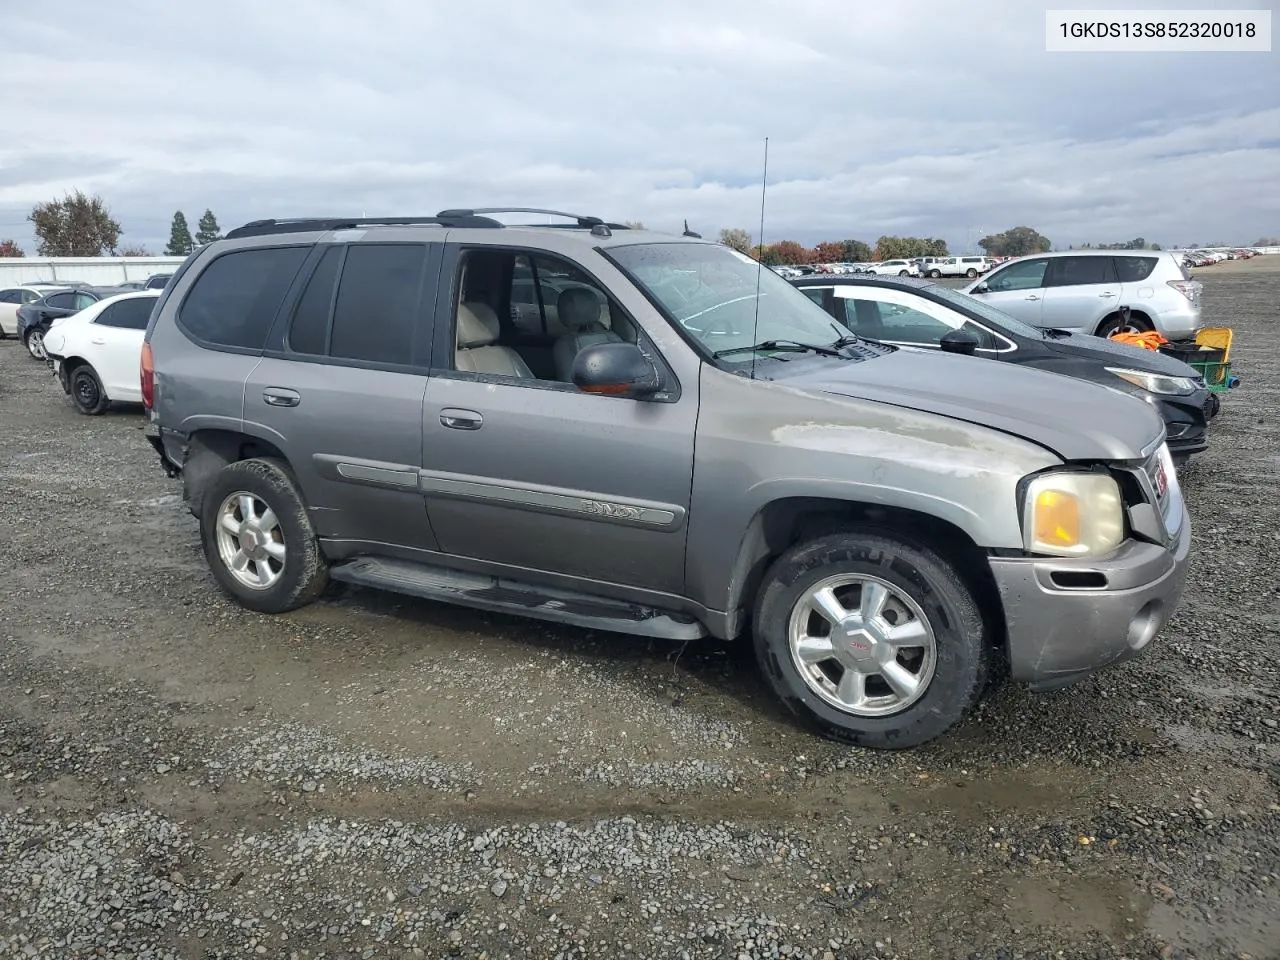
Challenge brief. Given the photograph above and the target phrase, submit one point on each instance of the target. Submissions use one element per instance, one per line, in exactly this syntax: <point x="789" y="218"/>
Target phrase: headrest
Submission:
<point x="477" y="325"/>
<point x="578" y="308"/>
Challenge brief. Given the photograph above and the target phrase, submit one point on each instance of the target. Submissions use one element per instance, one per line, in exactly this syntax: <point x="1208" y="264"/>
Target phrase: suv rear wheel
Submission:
<point x="258" y="538"/>
<point x="874" y="640"/>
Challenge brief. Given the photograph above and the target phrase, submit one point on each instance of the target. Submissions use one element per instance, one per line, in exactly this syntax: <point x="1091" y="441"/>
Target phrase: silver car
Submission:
<point x="1097" y="291"/>
<point x="688" y="447"/>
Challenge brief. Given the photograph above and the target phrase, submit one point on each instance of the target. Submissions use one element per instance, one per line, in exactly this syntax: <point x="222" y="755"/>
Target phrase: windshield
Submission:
<point x="997" y="318"/>
<point x="710" y="290"/>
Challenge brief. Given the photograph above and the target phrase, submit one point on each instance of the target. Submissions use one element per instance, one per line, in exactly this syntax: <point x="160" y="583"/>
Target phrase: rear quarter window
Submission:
<point x="234" y="301"/>
<point x="1134" y="269"/>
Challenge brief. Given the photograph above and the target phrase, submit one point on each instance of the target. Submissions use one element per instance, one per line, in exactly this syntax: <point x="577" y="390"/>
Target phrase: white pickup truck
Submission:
<point x="959" y="267"/>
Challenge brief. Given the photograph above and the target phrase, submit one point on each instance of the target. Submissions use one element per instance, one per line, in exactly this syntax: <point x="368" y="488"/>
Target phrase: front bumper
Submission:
<point x="1067" y="618"/>
<point x="1186" y="421"/>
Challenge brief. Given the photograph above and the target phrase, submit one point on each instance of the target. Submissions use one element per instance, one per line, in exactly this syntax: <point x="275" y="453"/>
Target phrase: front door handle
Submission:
<point x="1032" y="297"/>
<point x="281" y="397"/>
<point x="98" y="341"/>
<point x="456" y="419"/>
<point x="1106" y="295"/>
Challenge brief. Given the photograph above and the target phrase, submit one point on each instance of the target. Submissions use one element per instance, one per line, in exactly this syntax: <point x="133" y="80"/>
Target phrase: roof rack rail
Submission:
<point x="582" y="221"/>
<point x="257" y="228"/>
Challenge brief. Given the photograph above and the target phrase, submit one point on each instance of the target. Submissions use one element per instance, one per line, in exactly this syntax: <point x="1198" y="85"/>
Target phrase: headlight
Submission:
<point x="1073" y="515"/>
<point x="1156" y="382"/>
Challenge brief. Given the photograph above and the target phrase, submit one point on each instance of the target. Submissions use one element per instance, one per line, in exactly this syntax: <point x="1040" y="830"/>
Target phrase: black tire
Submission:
<point x="87" y="395"/>
<point x="305" y="572"/>
<point x="1113" y="322"/>
<point x="971" y="273"/>
<point x="934" y="274"/>
<point x="904" y="273"/>
<point x="963" y="654"/>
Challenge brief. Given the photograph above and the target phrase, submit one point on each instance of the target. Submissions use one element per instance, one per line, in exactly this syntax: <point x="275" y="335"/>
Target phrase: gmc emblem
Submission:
<point x="1161" y="481"/>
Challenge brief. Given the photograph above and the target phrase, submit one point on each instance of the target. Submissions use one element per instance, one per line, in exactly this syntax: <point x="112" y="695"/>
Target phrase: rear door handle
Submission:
<point x="1032" y="297"/>
<point x="1106" y="294"/>
<point x="281" y="397"/>
<point x="98" y="340"/>
<point x="456" y="419"/>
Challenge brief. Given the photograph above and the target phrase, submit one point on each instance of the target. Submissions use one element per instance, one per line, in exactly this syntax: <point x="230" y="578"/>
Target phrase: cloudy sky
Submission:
<point x="924" y="118"/>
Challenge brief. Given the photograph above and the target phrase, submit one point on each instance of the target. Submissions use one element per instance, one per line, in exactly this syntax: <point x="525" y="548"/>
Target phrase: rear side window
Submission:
<point x="1133" y="269"/>
<point x="233" y="302"/>
<point x="62" y="301"/>
<point x="1079" y="271"/>
<point x="377" y="306"/>
<point x="309" y="332"/>
<point x="129" y="314"/>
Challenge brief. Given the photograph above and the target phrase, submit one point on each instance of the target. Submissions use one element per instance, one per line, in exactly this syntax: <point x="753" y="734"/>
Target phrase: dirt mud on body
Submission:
<point x="381" y="777"/>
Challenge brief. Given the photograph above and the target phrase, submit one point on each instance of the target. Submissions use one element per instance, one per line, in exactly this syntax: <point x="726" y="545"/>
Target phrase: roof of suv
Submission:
<point x="599" y="231"/>
<point x="1097" y="253"/>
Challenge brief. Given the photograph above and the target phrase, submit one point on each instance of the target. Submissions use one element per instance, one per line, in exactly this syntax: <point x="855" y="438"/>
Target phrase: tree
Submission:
<point x="1264" y="242"/>
<point x="135" y="250"/>
<point x="904" y="248"/>
<point x="10" y="248"/>
<point x="207" y="230"/>
<point x="736" y="238"/>
<point x="75" y="226"/>
<point x="629" y="224"/>
<point x="786" y="252"/>
<point x="1016" y="242"/>
<point x="180" y="241"/>
<point x="829" y="251"/>
<point x="1155" y="246"/>
<point x="855" y="251"/>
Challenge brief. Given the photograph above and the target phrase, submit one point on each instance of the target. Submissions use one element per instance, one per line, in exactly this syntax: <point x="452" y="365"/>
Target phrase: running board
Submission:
<point x="512" y="596"/>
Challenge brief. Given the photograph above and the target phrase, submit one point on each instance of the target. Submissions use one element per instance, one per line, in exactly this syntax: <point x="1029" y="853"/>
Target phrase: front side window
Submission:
<point x="899" y="323"/>
<point x="131" y="314"/>
<point x="234" y="301"/>
<point x="527" y="316"/>
<point x="1023" y="275"/>
<point x="710" y="291"/>
<point x="10" y="296"/>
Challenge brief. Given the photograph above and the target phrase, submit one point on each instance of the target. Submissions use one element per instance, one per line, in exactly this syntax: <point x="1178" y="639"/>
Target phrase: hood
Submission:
<point x="1119" y="355"/>
<point x="1075" y="419"/>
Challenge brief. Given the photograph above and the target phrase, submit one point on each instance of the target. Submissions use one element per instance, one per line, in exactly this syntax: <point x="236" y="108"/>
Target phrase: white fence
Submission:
<point x="95" y="271"/>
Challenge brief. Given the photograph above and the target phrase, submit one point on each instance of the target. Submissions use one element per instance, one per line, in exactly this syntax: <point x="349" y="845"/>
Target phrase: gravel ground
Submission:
<point x="381" y="777"/>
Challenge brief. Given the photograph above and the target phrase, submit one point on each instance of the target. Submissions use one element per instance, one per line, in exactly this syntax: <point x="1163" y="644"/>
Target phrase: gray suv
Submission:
<point x="630" y="431"/>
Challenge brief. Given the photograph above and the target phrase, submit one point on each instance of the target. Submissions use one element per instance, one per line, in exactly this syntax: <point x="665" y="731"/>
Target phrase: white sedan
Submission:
<point x="11" y="298"/>
<point x="95" y="353"/>
<point x="893" y="268"/>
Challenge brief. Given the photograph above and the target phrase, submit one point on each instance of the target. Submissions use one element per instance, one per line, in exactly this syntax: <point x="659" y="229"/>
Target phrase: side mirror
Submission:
<point x="981" y="288"/>
<point x="960" y="341"/>
<point x="615" y="370"/>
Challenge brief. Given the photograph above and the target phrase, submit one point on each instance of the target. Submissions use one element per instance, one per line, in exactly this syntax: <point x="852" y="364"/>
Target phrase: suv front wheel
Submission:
<point x="874" y="640"/>
<point x="258" y="538"/>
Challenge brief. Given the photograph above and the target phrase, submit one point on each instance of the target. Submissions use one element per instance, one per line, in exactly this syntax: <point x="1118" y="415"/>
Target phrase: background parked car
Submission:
<point x="918" y="314"/>
<point x="1086" y="291"/>
<point x="11" y="298"/>
<point x="959" y="267"/>
<point x="96" y="353"/>
<point x="35" y="318"/>
<point x="894" y="268"/>
<point x="157" y="281"/>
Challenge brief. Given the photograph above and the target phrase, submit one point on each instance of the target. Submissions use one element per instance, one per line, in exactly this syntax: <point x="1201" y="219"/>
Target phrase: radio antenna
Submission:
<point x="755" y="323"/>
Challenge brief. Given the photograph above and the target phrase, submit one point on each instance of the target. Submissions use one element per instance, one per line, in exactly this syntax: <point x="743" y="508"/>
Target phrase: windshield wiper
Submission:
<point x="1056" y="333"/>
<point x="852" y="340"/>
<point x="787" y="346"/>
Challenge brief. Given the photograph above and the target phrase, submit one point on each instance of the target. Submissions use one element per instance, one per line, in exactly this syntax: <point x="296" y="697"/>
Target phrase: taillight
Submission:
<point x="1184" y="287"/>
<point x="148" y="375"/>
